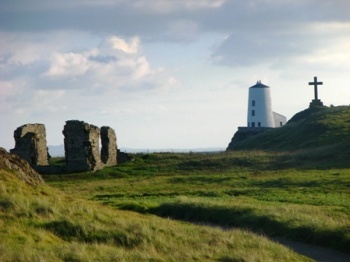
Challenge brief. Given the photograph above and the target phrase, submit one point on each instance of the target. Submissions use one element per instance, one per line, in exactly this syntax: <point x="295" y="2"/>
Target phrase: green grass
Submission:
<point x="192" y="207"/>
<point x="44" y="224"/>
<point x="248" y="190"/>
<point x="325" y="127"/>
<point x="57" y="161"/>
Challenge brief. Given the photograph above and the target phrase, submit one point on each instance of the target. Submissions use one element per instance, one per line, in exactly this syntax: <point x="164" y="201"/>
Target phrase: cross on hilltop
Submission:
<point x="315" y="84"/>
<point x="316" y="101"/>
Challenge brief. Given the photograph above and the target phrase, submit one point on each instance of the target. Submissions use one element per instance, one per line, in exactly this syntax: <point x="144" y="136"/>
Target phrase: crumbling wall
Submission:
<point x="30" y="144"/>
<point x="109" y="146"/>
<point x="123" y="157"/>
<point x="81" y="143"/>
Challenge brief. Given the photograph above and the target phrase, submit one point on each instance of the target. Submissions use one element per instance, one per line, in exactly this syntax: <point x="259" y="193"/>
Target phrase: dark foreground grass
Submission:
<point x="249" y="190"/>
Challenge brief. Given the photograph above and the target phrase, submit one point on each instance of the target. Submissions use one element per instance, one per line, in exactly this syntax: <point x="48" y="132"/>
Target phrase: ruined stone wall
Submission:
<point x="30" y="144"/>
<point x="109" y="146"/>
<point x="81" y="143"/>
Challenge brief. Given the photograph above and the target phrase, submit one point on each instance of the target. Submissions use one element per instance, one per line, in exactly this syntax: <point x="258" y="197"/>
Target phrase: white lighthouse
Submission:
<point x="259" y="108"/>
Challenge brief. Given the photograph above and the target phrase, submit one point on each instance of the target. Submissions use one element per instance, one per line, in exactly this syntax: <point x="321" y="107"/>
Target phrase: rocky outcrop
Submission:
<point x="109" y="146"/>
<point x="81" y="143"/>
<point x="243" y="133"/>
<point x="19" y="167"/>
<point x="30" y="144"/>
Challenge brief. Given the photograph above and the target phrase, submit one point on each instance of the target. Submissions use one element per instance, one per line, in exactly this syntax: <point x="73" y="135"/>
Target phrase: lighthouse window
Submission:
<point x="259" y="124"/>
<point x="253" y="112"/>
<point x="253" y="102"/>
<point x="253" y="124"/>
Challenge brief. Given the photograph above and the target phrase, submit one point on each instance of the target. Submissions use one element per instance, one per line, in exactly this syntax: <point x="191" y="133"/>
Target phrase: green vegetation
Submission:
<point x="248" y="190"/>
<point x="44" y="224"/>
<point x="327" y="128"/>
<point x="224" y="206"/>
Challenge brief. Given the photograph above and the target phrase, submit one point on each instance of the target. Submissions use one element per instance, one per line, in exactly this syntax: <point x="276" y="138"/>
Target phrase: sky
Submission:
<point x="166" y="74"/>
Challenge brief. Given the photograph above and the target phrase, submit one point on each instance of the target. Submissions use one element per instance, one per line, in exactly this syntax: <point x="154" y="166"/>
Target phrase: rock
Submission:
<point x="20" y="168"/>
<point x="243" y="133"/>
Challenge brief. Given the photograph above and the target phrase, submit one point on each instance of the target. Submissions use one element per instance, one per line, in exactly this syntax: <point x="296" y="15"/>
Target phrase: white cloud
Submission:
<point x="115" y="64"/>
<point x="119" y="44"/>
<point x="69" y="64"/>
<point x="72" y="79"/>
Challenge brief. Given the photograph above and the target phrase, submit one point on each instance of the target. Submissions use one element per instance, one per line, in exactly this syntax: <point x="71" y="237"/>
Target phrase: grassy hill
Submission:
<point x="40" y="223"/>
<point x="326" y="129"/>
<point x="265" y="192"/>
<point x="189" y="207"/>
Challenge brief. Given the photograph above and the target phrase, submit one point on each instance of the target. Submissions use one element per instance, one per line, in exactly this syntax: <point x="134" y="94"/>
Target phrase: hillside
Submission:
<point x="39" y="223"/>
<point x="16" y="167"/>
<point x="321" y="127"/>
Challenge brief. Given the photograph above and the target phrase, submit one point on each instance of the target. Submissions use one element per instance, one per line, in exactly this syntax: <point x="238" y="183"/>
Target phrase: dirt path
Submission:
<point x="319" y="254"/>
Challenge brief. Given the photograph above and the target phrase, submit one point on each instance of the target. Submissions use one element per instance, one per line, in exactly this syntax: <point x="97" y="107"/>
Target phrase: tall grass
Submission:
<point x="241" y="189"/>
<point x="43" y="224"/>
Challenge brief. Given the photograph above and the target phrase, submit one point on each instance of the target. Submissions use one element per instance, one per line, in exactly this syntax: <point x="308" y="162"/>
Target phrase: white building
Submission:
<point x="260" y="112"/>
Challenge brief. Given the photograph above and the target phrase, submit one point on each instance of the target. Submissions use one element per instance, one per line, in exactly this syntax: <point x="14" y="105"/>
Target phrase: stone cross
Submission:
<point x="315" y="84"/>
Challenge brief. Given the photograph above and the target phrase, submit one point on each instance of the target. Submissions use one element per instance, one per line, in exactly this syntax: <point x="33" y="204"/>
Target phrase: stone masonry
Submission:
<point x="109" y="146"/>
<point x="81" y="143"/>
<point x="30" y="144"/>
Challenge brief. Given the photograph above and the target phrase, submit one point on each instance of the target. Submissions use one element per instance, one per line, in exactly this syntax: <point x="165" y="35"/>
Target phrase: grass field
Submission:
<point x="66" y="221"/>
<point x="288" y="195"/>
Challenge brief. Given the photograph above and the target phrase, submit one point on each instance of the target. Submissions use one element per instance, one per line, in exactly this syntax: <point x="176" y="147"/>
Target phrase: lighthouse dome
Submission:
<point x="259" y="85"/>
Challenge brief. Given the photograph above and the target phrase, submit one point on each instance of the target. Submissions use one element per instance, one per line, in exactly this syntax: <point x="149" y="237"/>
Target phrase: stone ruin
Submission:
<point x="30" y="144"/>
<point x="109" y="146"/>
<point x="81" y="144"/>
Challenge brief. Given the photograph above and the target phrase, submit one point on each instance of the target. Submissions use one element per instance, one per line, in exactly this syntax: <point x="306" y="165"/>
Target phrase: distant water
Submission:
<point x="58" y="151"/>
<point x="173" y="150"/>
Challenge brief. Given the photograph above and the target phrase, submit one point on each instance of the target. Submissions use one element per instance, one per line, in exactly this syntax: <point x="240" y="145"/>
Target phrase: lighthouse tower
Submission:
<point x="259" y="106"/>
<point x="260" y="115"/>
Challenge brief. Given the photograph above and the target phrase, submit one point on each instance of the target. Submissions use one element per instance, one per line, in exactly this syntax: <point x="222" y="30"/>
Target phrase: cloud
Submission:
<point x="170" y="20"/>
<point x="253" y="48"/>
<point x="152" y="19"/>
<point x="256" y="49"/>
<point x="144" y="6"/>
<point x="69" y="64"/>
<point x="116" y="65"/>
<point x="114" y="56"/>
<point x="164" y="7"/>
<point x="118" y="44"/>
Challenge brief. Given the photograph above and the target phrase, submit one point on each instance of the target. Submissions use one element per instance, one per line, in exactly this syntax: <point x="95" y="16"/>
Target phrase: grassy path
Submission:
<point x="319" y="254"/>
